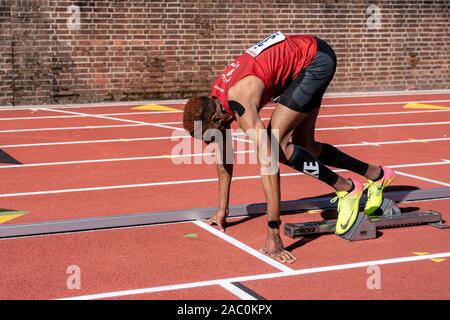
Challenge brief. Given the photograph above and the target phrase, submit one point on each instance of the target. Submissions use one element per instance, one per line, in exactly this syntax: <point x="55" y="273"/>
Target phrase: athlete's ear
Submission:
<point x="216" y="119"/>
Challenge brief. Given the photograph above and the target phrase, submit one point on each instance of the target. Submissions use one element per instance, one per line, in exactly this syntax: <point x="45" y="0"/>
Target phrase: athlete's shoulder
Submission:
<point x="303" y="38"/>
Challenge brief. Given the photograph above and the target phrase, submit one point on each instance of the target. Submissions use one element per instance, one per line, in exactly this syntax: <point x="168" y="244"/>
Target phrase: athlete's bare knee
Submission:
<point x="283" y="150"/>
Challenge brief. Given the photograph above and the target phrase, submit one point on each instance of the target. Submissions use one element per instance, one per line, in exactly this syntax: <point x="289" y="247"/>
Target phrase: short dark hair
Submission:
<point x="199" y="108"/>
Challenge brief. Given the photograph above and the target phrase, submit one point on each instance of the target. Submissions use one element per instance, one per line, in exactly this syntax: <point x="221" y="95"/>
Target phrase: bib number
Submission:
<point x="266" y="43"/>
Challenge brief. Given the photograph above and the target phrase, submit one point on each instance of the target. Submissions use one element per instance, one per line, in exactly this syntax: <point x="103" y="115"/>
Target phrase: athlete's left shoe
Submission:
<point x="375" y="190"/>
<point x="348" y="207"/>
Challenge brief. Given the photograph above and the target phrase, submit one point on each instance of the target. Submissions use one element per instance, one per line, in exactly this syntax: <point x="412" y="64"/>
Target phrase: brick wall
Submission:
<point x="136" y="49"/>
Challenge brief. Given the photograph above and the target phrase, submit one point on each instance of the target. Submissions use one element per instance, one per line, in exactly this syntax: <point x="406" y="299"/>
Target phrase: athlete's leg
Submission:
<point x="303" y="96"/>
<point x="378" y="177"/>
<point x="304" y="135"/>
<point x="283" y="123"/>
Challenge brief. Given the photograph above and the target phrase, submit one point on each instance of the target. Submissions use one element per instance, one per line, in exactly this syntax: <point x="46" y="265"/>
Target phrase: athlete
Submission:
<point x="296" y="70"/>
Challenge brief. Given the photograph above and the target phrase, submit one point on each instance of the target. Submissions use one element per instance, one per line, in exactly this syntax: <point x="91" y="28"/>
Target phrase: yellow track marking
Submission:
<point x="10" y="215"/>
<point x="155" y="107"/>
<point x="424" y="253"/>
<point x="438" y="260"/>
<point x="420" y="253"/>
<point x="413" y="105"/>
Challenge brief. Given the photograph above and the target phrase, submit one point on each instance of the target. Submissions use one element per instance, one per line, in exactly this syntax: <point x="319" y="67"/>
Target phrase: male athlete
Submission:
<point x="298" y="70"/>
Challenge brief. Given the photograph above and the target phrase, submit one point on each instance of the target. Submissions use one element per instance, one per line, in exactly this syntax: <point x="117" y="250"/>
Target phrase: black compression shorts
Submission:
<point x="306" y="91"/>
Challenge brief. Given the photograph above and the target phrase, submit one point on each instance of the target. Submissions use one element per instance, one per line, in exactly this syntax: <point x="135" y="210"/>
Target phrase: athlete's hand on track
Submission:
<point x="274" y="248"/>
<point x="219" y="219"/>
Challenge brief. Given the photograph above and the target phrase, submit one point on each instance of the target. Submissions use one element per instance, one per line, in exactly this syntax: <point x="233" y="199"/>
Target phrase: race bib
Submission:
<point x="266" y="43"/>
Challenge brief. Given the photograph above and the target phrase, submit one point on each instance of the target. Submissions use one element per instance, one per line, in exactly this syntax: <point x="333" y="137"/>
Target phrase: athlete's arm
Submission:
<point x="225" y="172"/>
<point x="244" y="100"/>
<point x="251" y="123"/>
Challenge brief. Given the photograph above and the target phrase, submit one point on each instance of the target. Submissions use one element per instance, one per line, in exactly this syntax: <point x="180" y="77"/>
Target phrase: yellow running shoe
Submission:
<point x="375" y="190"/>
<point x="348" y="207"/>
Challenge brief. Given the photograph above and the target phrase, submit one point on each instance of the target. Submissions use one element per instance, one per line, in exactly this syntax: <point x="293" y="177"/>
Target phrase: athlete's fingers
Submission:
<point x="287" y="257"/>
<point x="279" y="258"/>
<point x="291" y="256"/>
<point x="220" y="226"/>
<point x="211" y="221"/>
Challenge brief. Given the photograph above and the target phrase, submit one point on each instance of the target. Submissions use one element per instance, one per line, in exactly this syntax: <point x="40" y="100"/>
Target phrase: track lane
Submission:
<point x="183" y="196"/>
<point x="331" y="250"/>
<point x="119" y="259"/>
<point x="26" y="179"/>
<point x="164" y="197"/>
<point x="422" y="280"/>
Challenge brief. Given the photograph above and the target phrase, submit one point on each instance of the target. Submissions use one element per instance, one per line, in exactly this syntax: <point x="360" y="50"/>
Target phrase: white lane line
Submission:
<point x="241" y="294"/>
<point x="179" y="122"/>
<point x="101" y="114"/>
<point x="422" y="178"/>
<point x="278" y="265"/>
<point x="183" y="101"/>
<point x="140" y="123"/>
<point x="71" y="128"/>
<point x="374" y="104"/>
<point x="179" y="182"/>
<point x="113" y="118"/>
<point x="344" y="115"/>
<point x="126" y="104"/>
<point x="62" y="163"/>
<point x="189" y="285"/>
<point x="393" y="125"/>
<point x="370" y="144"/>
<point x="156" y="157"/>
<point x="45" y="144"/>
<point x="132" y="121"/>
<point x="114" y="187"/>
<point x="380" y="113"/>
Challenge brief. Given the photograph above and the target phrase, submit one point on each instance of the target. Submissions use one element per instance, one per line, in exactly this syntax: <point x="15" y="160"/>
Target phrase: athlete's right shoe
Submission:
<point x="348" y="207"/>
<point x="375" y="190"/>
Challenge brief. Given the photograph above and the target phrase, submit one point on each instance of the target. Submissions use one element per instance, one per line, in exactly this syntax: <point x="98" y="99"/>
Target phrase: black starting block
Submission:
<point x="365" y="227"/>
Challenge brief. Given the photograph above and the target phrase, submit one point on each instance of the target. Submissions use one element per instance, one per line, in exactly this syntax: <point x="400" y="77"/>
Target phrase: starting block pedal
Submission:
<point x="388" y="215"/>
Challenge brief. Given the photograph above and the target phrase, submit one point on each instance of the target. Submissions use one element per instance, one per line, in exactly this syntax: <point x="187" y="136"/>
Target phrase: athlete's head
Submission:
<point x="204" y="113"/>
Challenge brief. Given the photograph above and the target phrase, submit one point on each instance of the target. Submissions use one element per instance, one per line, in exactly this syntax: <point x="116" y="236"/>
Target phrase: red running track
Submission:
<point x="69" y="172"/>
